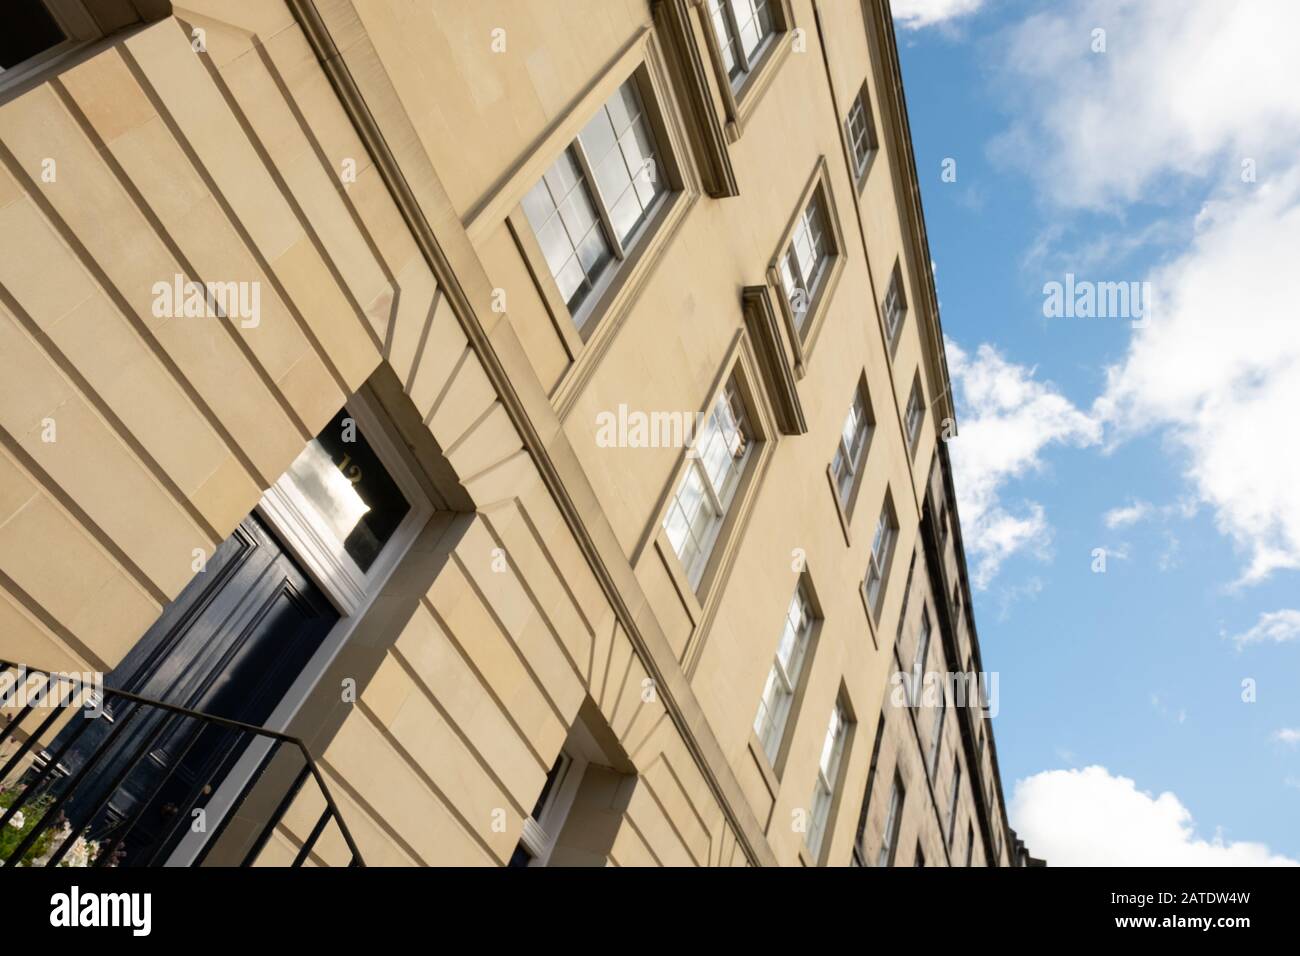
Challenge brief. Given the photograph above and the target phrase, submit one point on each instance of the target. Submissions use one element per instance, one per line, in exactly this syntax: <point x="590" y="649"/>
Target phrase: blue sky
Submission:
<point x="1163" y="150"/>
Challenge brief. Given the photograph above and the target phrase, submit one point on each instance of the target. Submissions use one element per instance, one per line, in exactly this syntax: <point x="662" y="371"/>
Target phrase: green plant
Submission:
<point x="28" y="818"/>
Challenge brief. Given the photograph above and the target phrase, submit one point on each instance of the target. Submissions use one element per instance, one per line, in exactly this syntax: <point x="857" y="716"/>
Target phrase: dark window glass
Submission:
<point x="28" y="30"/>
<point x="343" y="478"/>
<point x="551" y="777"/>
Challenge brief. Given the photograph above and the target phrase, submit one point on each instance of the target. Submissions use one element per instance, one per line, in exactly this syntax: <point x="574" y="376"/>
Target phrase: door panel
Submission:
<point x="231" y="644"/>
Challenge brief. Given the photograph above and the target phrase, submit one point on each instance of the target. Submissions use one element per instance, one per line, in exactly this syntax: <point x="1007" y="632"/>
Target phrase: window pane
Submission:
<point x="626" y="214"/>
<point x="572" y="282"/>
<point x="831" y="745"/>
<point x="843" y="479"/>
<point x="873" y="586"/>
<point x="724" y="446"/>
<point x="915" y="414"/>
<point x="598" y="136"/>
<point x="690" y="523"/>
<point x="790" y="637"/>
<point x="795" y="291"/>
<point x="594" y="254"/>
<point x="560" y="211"/>
<point x="805" y="259"/>
<point x="677" y="528"/>
<point x="349" y="489"/>
<point x="894" y="305"/>
<point x="538" y="205"/>
<point x="725" y="41"/>
<point x="649" y="182"/>
<point x="621" y="150"/>
<point x="861" y="137"/>
<point x="578" y="216"/>
<point x="562" y="176"/>
<point x="771" y="710"/>
<point x="754" y="20"/>
<point x="828" y="766"/>
<point x="853" y="440"/>
<point x="555" y="244"/>
<point x="611" y="174"/>
<point x="624" y="107"/>
<point x="718" y="457"/>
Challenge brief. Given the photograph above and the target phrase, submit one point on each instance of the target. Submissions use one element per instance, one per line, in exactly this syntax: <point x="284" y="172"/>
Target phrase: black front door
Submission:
<point x="231" y="644"/>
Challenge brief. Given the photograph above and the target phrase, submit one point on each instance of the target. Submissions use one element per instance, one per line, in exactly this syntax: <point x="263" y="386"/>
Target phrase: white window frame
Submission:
<point x="827" y="783"/>
<point x="814" y="220"/>
<point x="771" y="732"/>
<point x="893" y="822"/>
<point x="316" y="547"/>
<point x="619" y="247"/>
<point x="848" y="460"/>
<point x="936" y="736"/>
<point x="878" y="561"/>
<point x="861" y="107"/>
<point x="918" y="660"/>
<point x="915" y="417"/>
<point x="745" y="62"/>
<point x="894" y="306"/>
<point x="719" y="504"/>
<point x="540" y="833"/>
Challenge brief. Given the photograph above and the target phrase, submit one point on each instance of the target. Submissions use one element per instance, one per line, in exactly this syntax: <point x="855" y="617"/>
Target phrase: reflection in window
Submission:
<point x="783" y="679"/>
<point x="882" y="548"/>
<point x="828" y="773"/>
<point x="845" y="466"/>
<point x="587" y="210"/>
<point x="714" y="468"/>
<point x="862" y="134"/>
<point x="742" y="28"/>
<point x="804" y="262"/>
<point x="895" y="306"/>
<point x="349" y="490"/>
<point x="568" y="229"/>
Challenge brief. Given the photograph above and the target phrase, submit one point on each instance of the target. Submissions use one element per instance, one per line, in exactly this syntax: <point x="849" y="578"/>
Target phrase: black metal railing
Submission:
<point x="121" y="781"/>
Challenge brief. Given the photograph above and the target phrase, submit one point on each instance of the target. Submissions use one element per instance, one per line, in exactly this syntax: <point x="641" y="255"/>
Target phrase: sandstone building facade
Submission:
<point x="537" y="407"/>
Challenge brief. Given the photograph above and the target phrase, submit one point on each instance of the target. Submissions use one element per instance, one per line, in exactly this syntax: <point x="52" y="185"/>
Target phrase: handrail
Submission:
<point x="76" y="807"/>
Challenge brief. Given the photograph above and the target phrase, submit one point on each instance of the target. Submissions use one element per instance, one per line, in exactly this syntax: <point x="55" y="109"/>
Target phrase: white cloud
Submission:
<point x="1217" y="369"/>
<point x="1010" y="596"/>
<point x="1184" y="88"/>
<point x="1089" y="817"/>
<point x="1128" y="515"/>
<point x="915" y="14"/>
<point x="1008" y="417"/>
<point x="1288" y="735"/>
<point x="1276" y="626"/>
